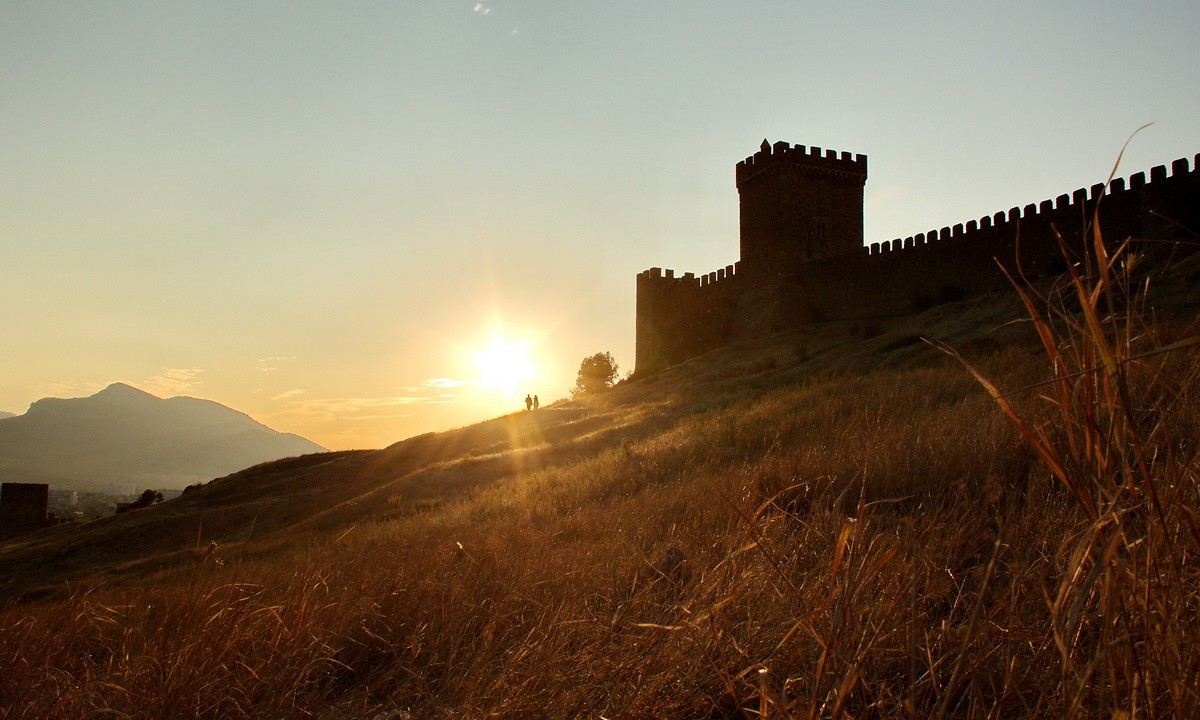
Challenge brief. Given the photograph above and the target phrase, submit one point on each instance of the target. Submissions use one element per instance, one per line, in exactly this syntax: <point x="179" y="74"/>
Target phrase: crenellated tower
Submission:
<point x="797" y="205"/>
<point x="803" y="259"/>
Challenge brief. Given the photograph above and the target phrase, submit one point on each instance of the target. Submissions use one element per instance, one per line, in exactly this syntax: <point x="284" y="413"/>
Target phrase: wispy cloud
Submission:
<point x="434" y="391"/>
<point x="885" y="195"/>
<point x="173" y="381"/>
<point x="68" y="389"/>
<point x="271" y="364"/>
<point x="484" y="8"/>
<point x="445" y="383"/>
<point x="327" y="409"/>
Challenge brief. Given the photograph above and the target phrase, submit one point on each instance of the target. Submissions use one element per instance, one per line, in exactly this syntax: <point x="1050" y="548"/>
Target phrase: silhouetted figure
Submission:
<point x="528" y="403"/>
<point x="535" y="402"/>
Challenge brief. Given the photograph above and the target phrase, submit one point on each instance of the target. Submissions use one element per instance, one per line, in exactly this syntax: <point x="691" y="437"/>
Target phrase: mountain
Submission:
<point x="6" y="415"/>
<point x="122" y="434"/>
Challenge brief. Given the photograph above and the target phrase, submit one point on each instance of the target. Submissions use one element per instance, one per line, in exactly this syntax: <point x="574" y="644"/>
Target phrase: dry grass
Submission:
<point x="886" y="544"/>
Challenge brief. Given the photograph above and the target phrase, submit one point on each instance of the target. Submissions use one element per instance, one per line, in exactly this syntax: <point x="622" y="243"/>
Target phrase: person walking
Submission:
<point x="528" y="403"/>
<point x="535" y="402"/>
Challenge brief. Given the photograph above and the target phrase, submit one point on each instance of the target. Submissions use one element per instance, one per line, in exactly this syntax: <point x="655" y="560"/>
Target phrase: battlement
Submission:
<point x="680" y="317"/>
<point x="1060" y="210"/>
<point x="661" y="277"/>
<point x="781" y="156"/>
<point x="802" y="254"/>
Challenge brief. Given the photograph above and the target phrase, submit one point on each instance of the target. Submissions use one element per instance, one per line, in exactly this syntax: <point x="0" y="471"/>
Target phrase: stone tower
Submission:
<point x="798" y="205"/>
<point x="803" y="258"/>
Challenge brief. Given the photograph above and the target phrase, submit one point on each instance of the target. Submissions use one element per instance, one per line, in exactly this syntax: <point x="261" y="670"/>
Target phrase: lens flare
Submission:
<point x="504" y="365"/>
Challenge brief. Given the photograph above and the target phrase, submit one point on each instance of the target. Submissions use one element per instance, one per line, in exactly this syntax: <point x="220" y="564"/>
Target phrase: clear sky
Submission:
<point x="319" y="213"/>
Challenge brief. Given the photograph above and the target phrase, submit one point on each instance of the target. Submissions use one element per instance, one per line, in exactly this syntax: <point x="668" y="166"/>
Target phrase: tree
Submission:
<point x="596" y="374"/>
<point x="148" y="498"/>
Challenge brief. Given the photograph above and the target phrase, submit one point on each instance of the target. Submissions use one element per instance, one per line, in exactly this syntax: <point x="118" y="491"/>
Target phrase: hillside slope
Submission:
<point x="837" y="522"/>
<point x="279" y="502"/>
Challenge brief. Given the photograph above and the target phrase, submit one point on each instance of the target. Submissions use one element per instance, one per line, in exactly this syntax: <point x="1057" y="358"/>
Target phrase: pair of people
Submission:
<point x="531" y="402"/>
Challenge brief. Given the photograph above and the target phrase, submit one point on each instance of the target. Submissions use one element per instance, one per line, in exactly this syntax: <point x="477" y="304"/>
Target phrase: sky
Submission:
<point x="321" y="214"/>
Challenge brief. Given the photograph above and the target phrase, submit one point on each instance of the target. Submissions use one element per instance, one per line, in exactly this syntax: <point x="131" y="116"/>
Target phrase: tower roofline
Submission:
<point x="782" y="156"/>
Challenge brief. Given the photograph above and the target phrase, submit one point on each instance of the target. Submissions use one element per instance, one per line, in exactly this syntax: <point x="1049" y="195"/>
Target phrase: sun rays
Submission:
<point x="504" y="365"/>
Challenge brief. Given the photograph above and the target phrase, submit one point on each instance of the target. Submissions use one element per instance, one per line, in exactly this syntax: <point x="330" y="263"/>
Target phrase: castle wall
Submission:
<point x="679" y="318"/>
<point x="911" y="274"/>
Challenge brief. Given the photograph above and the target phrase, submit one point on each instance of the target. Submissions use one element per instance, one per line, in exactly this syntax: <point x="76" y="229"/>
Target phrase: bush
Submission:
<point x="596" y="374"/>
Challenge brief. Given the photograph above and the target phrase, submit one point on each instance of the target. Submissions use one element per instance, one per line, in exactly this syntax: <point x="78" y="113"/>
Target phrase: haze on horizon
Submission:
<point x="322" y="215"/>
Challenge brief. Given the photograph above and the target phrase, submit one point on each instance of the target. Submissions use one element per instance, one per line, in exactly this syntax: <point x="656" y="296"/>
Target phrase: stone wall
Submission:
<point x="782" y="284"/>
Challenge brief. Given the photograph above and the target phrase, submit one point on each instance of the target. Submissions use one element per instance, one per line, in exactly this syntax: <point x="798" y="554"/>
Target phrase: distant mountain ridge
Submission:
<point x="122" y="434"/>
<point x="4" y="414"/>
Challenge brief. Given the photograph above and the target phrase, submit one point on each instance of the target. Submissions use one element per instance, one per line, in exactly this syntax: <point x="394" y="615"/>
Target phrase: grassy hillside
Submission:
<point x="838" y="522"/>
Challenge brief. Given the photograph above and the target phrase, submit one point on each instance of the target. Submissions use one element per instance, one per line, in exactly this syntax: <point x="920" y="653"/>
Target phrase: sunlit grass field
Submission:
<point x="844" y="523"/>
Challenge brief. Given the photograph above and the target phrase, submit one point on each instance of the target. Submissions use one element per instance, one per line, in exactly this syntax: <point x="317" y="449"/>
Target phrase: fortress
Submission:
<point x="803" y="258"/>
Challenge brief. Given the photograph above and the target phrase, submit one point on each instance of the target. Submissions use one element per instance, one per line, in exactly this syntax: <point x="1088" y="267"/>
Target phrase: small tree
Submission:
<point x="148" y="498"/>
<point x="596" y="374"/>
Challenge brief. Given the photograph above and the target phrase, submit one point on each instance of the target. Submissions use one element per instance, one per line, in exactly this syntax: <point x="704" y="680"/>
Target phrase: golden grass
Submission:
<point x="874" y="544"/>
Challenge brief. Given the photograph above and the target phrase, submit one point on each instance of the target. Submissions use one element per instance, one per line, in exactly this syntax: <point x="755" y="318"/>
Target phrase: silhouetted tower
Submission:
<point x="799" y="205"/>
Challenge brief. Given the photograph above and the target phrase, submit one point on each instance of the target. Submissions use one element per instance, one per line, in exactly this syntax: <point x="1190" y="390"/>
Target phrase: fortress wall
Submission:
<point x="1135" y="207"/>
<point x="679" y="318"/>
<point x="912" y="274"/>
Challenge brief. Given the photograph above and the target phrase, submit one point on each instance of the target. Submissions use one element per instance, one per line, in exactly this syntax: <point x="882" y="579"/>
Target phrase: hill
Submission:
<point x="122" y="434"/>
<point x="328" y="493"/>
<point x="4" y="415"/>
<point x="833" y="522"/>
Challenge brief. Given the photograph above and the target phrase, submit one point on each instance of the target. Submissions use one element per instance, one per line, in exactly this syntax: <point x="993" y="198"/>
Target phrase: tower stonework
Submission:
<point x="803" y="257"/>
<point x="799" y="205"/>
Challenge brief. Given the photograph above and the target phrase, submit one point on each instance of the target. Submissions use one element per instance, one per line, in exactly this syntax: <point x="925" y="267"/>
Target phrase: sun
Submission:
<point x="504" y="365"/>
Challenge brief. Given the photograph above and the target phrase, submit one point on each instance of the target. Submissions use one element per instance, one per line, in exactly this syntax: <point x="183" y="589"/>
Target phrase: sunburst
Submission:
<point x="504" y="365"/>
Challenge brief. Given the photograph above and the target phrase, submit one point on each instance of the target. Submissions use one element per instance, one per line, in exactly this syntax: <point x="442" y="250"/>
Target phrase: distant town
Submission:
<point x="30" y="506"/>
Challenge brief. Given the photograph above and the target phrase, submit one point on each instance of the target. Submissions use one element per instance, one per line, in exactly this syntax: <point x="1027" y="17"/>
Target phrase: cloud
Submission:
<point x="445" y="383"/>
<point x="886" y="195"/>
<point x="483" y="8"/>
<point x="271" y="364"/>
<point x="327" y="409"/>
<point x="172" y="381"/>
<point x="434" y="391"/>
<point x="68" y="389"/>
